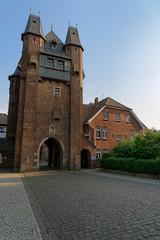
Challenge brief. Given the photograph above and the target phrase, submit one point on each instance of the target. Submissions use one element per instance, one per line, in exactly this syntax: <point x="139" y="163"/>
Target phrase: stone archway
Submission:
<point x="51" y="152"/>
<point x="85" y="158"/>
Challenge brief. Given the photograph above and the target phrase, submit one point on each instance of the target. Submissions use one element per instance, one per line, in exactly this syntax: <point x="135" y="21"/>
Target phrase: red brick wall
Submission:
<point x="115" y="128"/>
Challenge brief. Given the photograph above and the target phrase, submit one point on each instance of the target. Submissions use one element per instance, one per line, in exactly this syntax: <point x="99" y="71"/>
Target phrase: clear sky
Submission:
<point x="121" y="40"/>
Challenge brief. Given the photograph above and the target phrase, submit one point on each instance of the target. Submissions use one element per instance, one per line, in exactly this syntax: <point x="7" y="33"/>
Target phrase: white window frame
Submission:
<point x="56" y="91"/>
<point x="128" y="118"/>
<point x="98" y="132"/>
<point x="105" y="133"/>
<point x="118" y="117"/>
<point x="106" y="115"/>
<point x="99" y="155"/>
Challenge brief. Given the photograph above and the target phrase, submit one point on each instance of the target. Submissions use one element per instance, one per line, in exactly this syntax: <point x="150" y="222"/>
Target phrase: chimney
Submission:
<point x="96" y="101"/>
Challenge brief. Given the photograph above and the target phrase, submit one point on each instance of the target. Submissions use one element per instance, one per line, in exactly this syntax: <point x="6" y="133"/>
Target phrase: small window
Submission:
<point x="57" y="91"/>
<point x="98" y="153"/>
<point x="104" y="133"/>
<point x="105" y="115"/>
<point x="124" y="137"/>
<point x="50" y="62"/>
<point x="98" y="132"/>
<point x="128" y="118"/>
<point x="137" y="132"/>
<point x="118" y="138"/>
<point x="113" y="136"/>
<point x="60" y="65"/>
<point x="117" y="117"/>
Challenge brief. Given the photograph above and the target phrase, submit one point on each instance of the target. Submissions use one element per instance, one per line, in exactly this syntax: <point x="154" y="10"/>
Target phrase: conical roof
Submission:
<point x="34" y="26"/>
<point x="73" y="37"/>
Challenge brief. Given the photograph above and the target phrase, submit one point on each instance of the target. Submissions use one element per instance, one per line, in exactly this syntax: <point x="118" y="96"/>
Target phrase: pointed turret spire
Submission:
<point x="34" y="26"/>
<point x="73" y="37"/>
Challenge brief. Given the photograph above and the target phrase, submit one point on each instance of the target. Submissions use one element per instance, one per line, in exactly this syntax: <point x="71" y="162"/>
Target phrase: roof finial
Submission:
<point x="30" y="11"/>
<point x="76" y="25"/>
<point x="39" y="14"/>
<point x="52" y="26"/>
<point x="69" y="23"/>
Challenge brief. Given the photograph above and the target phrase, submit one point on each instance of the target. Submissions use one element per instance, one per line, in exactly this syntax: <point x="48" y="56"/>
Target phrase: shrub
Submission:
<point x="147" y="166"/>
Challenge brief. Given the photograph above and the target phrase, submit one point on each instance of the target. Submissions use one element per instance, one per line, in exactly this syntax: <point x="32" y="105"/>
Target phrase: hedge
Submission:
<point x="133" y="165"/>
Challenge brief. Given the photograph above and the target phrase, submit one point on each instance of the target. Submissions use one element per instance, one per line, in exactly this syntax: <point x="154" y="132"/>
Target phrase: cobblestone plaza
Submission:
<point x="82" y="205"/>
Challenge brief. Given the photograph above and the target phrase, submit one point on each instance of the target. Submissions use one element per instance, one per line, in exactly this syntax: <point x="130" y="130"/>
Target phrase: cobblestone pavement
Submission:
<point x="94" y="205"/>
<point x="17" y="221"/>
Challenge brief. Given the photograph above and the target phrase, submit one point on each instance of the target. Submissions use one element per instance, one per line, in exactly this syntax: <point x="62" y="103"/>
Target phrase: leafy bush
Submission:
<point x="141" y="155"/>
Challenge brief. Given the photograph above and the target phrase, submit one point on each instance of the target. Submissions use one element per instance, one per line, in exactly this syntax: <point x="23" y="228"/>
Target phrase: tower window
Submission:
<point x="50" y="62"/>
<point x="57" y="91"/>
<point x="60" y="65"/>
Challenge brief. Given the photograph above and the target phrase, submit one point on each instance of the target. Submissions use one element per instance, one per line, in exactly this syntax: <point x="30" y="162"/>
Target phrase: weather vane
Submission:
<point x="76" y="25"/>
<point x="69" y="23"/>
<point x="30" y="10"/>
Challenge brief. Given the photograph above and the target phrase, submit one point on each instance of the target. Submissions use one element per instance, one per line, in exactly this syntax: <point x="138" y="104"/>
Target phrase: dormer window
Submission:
<point x="34" y="21"/>
<point x="54" y="44"/>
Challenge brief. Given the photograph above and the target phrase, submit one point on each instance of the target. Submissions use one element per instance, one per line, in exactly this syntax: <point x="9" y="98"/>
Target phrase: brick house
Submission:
<point x="107" y="122"/>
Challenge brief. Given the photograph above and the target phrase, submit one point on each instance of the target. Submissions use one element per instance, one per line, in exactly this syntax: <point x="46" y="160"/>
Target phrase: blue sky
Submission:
<point x="121" y="40"/>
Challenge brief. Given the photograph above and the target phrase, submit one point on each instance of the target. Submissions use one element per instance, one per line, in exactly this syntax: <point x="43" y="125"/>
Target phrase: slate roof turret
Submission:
<point x="34" y="26"/>
<point x="73" y="37"/>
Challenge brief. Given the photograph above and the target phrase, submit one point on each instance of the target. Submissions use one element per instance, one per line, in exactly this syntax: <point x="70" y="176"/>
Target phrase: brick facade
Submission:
<point x="46" y="106"/>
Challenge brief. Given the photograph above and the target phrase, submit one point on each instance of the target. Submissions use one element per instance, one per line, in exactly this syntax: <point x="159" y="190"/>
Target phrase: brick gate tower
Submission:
<point x="45" y="106"/>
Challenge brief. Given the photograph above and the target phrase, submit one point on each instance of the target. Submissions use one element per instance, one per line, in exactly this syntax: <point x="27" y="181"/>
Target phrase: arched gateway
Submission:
<point x="51" y="152"/>
<point x="85" y="158"/>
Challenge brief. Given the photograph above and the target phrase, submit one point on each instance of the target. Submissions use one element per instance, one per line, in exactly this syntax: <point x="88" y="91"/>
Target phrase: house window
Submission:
<point x="132" y="133"/>
<point x="60" y="65"/>
<point x="105" y="115"/>
<point x="57" y="91"/>
<point x="113" y="136"/>
<point x="104" y="133"/>
<point x="124" y="137"/>
<point x="118" y="117"/>
<point x="128" y="118"/>
<point x="98" y="153"/>
<point x="137" y="132"/>
<point x="50" y="62"/>
<point x="98" y="132"/>
<point x="118" y="138"/>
